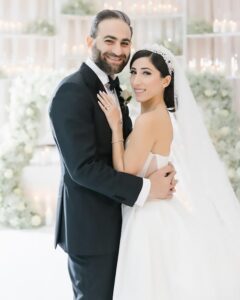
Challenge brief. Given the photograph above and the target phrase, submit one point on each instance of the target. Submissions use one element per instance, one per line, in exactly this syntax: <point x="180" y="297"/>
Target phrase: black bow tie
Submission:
<point x="114" y="83"/>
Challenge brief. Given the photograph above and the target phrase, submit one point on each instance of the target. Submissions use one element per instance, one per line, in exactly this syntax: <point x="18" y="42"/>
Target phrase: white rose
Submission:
<point x="209" y="93"/>
<point x="238" y="145"/>
<point x="30" y="112"/>
<point x="126" y="95"/>
<point x="8" y="173"/>
<point x="36" y="221"/>
<point x="123" y="87"/>
<point x="224" y="113"/>
<point x="238" y="172"/>
<point x="231" y="173"/>
<point x="2" y="218"/>
<point x="17" y="191"/>
<point x="224" y="93"/>
<point x="14" y="222"/>
<point x="224" y="131"/>
<point x="21" y="206"/>
<point x="28" y="149"/>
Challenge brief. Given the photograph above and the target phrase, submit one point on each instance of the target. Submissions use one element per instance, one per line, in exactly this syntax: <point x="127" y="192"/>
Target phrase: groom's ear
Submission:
<point x="89" y="42"/>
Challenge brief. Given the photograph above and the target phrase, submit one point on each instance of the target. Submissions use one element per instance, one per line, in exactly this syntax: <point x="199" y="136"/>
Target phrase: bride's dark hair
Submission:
<point x="159" y="63"/>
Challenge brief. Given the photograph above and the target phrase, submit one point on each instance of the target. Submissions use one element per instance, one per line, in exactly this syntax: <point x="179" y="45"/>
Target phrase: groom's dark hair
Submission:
<point x="108" y="14"/>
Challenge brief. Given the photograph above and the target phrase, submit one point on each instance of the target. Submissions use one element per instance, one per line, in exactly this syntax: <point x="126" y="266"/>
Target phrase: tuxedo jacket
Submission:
<point x="91" y="191"/>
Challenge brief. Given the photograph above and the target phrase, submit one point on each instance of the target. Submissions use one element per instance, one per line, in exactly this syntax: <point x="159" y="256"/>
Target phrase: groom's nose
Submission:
<point x="117" y="49"/>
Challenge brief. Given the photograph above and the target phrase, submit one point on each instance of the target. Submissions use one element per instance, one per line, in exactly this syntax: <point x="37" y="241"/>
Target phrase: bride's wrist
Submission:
<point x="117" y="128"/>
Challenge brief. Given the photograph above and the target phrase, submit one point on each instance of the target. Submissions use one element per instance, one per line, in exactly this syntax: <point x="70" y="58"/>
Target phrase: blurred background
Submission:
<point x="41" y="41"/>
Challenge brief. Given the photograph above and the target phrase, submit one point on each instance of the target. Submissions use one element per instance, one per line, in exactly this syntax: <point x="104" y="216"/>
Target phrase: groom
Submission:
<point x="91" y="193"/>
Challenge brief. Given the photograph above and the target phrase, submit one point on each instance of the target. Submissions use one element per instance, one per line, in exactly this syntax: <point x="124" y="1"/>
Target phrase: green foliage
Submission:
<point x="41" y="27"/>
<point x="29" y="95"/>
<point x="78" y="7"/>
<point x="214" y="95"/>
<point x="170" y="45"/>
<point x="199" y="26"/>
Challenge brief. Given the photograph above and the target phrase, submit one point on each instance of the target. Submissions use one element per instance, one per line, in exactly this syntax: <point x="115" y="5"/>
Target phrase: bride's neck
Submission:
<point x="151" y="105"/>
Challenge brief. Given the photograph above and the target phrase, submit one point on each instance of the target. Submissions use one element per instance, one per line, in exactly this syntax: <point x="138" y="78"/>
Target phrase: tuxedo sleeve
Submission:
<point x="72" y="118"/>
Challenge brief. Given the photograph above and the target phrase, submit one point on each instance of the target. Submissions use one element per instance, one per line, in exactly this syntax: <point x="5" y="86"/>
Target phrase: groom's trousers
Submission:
<point x="92" y="276"/>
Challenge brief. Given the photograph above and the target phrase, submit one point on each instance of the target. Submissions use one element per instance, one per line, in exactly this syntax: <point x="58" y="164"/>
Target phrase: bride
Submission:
<point x="188" y="247"/>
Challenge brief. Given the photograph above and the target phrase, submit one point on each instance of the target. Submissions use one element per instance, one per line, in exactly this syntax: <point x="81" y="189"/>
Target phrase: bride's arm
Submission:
<point x="131" y="159"/>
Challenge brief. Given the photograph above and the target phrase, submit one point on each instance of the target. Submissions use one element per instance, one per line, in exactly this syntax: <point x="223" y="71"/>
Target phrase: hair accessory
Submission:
<point x="165" y="53"/>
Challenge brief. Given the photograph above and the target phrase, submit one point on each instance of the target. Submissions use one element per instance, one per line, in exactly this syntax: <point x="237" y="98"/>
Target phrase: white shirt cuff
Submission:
<point x="142" y="197"/>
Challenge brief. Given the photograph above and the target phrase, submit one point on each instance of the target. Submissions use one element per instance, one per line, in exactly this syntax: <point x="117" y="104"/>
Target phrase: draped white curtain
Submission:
<point x="221" y="48"/>
<point x="71" y="34"/>
<point x="214" y="9"/>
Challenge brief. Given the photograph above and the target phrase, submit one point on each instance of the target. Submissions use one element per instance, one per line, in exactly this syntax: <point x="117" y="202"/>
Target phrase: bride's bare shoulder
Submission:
<point x="156" y="117"/>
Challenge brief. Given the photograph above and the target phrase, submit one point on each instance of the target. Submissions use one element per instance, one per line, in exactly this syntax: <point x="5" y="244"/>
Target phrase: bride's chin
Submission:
<point x="139" y="99"/>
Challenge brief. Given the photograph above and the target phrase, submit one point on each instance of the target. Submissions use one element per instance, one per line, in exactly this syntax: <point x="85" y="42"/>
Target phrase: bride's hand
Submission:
<point x="110" y="109"/>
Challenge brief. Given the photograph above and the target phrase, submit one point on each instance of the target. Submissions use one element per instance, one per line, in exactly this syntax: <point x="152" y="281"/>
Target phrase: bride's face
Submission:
<point x="146" y="80"/>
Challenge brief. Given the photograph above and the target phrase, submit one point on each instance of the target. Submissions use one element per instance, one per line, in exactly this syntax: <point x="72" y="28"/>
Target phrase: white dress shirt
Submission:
<point x="142" y="197"/>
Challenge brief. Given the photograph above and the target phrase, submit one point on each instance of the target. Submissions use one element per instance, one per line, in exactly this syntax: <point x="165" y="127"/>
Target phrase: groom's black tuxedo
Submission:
<point x="91" y="191"/>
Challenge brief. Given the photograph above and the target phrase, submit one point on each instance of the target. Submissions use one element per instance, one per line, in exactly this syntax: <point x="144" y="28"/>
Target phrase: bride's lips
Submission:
<point x="139" y="92"/>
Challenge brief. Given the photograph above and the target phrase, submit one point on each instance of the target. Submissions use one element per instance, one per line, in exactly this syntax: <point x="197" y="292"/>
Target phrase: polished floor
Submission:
<point x="30" y="267"/>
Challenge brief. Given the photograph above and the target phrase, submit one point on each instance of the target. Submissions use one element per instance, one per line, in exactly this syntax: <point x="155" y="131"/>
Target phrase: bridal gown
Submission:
<point x="168" y="253"/>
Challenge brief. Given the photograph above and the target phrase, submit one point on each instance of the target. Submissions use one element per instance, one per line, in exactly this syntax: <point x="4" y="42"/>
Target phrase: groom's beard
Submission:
<point x="101" y="62"/>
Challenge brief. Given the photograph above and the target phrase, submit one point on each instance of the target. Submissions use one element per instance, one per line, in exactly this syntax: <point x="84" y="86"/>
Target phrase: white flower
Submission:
<point x="21" y="206"/>
<point x="224" y="131"/>
<point x="8" y="173"/>
<point x="29" y="112"/>
<point x="238" y="145"/>
<point x="28" y="149"/>
<point x="123" y="87"/>
<point x="224" y="113"/>
<point x="17" y="191"/>
<point x="210" y="93"/>
<point x="231" y="173"/>
<point x="14" y="222"/>
<point x="224" y="93"/>
<point x="36" y="220"/>
<point x="238" y="172"/>
<point x="126" y="95"/>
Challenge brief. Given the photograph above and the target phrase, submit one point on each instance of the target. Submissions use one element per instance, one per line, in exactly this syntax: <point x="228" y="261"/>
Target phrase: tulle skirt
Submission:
<point x="169" y="252"/>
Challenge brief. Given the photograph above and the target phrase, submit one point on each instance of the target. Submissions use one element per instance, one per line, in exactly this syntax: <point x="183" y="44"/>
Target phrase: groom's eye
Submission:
<point x="125" y="43"/>
<point x="109" y="41"/>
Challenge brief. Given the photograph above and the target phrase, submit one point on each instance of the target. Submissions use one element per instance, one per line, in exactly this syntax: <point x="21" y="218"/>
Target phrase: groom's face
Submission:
<point x="111" y="48"/>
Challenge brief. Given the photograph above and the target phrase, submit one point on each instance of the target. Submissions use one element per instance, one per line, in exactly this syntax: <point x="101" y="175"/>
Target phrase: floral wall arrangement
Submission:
<point x="214" y="95"/>
<point x="41" y="27"/>
<point x="78" y="7"/>
<point x="29" y="95"/>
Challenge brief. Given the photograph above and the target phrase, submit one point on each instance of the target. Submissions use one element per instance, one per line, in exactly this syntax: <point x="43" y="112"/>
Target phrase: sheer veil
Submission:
<point x="203" y="185"/>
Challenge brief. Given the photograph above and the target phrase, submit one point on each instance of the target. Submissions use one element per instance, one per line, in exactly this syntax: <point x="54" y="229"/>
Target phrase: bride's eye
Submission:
<point x="132" y="72"/>
<point x="146" y="73"/>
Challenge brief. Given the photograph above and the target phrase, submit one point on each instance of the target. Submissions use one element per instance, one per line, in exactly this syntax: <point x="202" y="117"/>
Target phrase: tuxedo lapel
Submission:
<point x="127" y="124"/>
<point x="95" y="85"/>
<point x="91" y="79"/>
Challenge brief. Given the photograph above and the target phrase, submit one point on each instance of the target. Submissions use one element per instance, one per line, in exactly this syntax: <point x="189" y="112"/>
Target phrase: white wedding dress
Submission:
<point x="168" y="253"/>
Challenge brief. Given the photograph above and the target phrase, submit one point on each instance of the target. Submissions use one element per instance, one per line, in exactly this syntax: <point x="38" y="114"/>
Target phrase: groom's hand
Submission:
<point x="163" y="183"/>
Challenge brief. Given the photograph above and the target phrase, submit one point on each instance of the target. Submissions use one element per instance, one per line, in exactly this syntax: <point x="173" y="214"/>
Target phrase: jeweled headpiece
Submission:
<point x="164" y="52"/>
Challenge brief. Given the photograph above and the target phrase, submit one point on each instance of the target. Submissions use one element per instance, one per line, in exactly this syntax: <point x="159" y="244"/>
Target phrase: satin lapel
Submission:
<point x="127" y="124"/>
<point x="91" y="79"/>
<point x="95" y="85"/>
